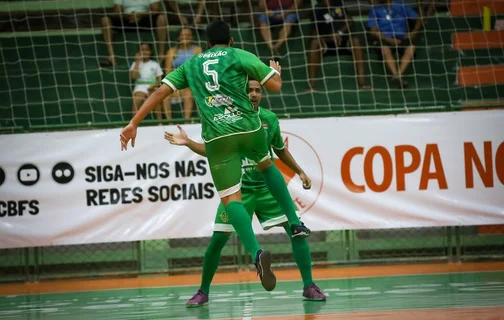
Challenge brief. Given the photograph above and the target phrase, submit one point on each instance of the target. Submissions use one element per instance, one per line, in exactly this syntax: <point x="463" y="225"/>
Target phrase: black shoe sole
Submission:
<point x="313" y="299"/>
<point x="301" y="235"/>
<point x="268" y="279"/>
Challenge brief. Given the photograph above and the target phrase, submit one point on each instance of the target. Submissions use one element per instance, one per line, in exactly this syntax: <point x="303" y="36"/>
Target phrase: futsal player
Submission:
<point x="231" y="128"/>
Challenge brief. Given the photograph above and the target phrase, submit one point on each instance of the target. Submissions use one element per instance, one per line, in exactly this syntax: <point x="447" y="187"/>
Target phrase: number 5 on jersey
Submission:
<point x="213" y="74"/>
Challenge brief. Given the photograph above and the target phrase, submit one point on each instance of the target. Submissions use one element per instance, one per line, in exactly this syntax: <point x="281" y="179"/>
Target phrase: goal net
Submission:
<point x="54" y="59"/>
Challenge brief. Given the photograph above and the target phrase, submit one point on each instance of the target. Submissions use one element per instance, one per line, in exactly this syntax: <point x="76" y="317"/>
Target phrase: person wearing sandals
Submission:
<point x="175" y="57"/>
<point x="147" y="76"/>
<point x="388" y="21"/>
<point x="331" y="28"/>
<point x="133" y="16"/>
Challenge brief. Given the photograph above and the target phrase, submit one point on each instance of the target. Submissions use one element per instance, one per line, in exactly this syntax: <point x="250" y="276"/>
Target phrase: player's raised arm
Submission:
<point x="174" y="81"/>
<point x="154" y="100"/>
<point x="269" y="77"/>
<point x="129" y="132"/>
<point x="275" y="82"/>
<point x="181" y="139"/>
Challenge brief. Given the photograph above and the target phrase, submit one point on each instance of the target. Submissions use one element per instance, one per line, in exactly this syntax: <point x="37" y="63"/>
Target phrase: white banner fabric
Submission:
<point x="441" y="169"/>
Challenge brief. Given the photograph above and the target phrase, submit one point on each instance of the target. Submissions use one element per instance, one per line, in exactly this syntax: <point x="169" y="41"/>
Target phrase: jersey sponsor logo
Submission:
<point x="212" y="54"/>
<point x="219" y="100"/>
<point x="230" y="115"/>
<point x="310" y="162"/>
<point x="248" y="165"/>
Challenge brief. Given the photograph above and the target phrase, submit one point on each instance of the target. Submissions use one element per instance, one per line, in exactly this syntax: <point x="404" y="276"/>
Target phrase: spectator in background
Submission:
<point x="388" y="21"/>
<point x="147" y="75"/>
<point x="175" y="10"/>
<point x="131" y="15"/>
<point x="332" y="28"/>
<point x="426" y="8"/>
<point x="206" y="6"/>
<point x="277" y="12"/>
<point x="175" y="57"/>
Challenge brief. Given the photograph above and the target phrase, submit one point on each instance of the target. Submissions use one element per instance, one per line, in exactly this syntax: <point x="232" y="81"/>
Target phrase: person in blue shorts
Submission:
<point x="388" y="21"/>
<point x="277" y="12"/>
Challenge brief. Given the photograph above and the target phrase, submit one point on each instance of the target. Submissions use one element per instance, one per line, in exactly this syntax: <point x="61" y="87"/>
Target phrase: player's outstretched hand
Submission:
<point x="128" y="133"/>
<point x="306" y="181"/>
<point x="276" y="65"/>
<point x="178" y="139"/>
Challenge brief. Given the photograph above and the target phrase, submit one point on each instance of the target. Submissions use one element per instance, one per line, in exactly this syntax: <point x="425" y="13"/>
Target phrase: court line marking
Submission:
<point x="258" y="282"/>
<point x="238" y="283"/>
<point x="247" y="311"/>
<point x="370" y="312"/>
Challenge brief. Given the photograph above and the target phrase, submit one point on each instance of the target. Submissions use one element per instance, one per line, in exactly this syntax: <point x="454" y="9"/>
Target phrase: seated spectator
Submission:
<point x="205" y="7"/>
<point x="332" y="28"/>
<point x="131" y="15"/>
<point x="426" y="8"/>
<point x="388" y="21"/>
<point x="277" y="12"/>
<point x="176" y="13"/>
<point x="147" y="75"/>
<point x="175" y="57"/>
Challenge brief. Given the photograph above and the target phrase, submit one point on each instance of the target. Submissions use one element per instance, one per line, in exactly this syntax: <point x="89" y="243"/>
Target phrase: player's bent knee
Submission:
<point x="230" y="196"/>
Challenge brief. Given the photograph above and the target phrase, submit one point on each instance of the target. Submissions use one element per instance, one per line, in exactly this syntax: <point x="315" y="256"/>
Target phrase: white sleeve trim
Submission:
<point x="169" y="84"/>
<point x="272" y="72"/>
<point x="278" y="148"/>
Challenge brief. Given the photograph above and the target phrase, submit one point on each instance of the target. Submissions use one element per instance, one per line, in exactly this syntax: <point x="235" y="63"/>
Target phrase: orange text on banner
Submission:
<point x="431" y="155"/>
<point x="486" y="172"/>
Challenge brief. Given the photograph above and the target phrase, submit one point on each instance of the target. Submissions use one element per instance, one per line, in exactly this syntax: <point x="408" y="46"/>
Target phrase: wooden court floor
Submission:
<point x="440" y="291"/>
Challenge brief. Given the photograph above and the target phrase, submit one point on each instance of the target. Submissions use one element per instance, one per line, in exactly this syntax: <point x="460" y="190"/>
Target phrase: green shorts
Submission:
<point x="260" y="202"/>
<point x="225" y="158"/>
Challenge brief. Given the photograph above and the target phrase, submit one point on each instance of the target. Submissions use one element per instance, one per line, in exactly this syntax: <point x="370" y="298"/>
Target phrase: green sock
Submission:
<point x="240" y="219"/>
<point x="212" y="258"/>
<point x="302" y="255"/>
<point x="277" y="187"/>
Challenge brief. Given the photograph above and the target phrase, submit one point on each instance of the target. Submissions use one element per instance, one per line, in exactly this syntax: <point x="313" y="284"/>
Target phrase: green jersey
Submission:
<point x="218" y="79"/>
<point x="251" y="178"/>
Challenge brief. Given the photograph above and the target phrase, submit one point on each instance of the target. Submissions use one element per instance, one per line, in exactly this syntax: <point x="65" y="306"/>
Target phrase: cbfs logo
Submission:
<point x="307" y="158"/>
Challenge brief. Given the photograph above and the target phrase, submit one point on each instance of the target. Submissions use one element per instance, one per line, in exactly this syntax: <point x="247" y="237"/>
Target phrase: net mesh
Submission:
<point x="51" y="53"/>
<point x="178" y="256"/>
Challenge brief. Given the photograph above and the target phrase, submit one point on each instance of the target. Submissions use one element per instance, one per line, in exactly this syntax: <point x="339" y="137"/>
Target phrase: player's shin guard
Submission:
<point x="212" y="258"/>
<point x="277" y="187"/>
<point x="302" y="255"/>
<point x="240" y="219"/>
